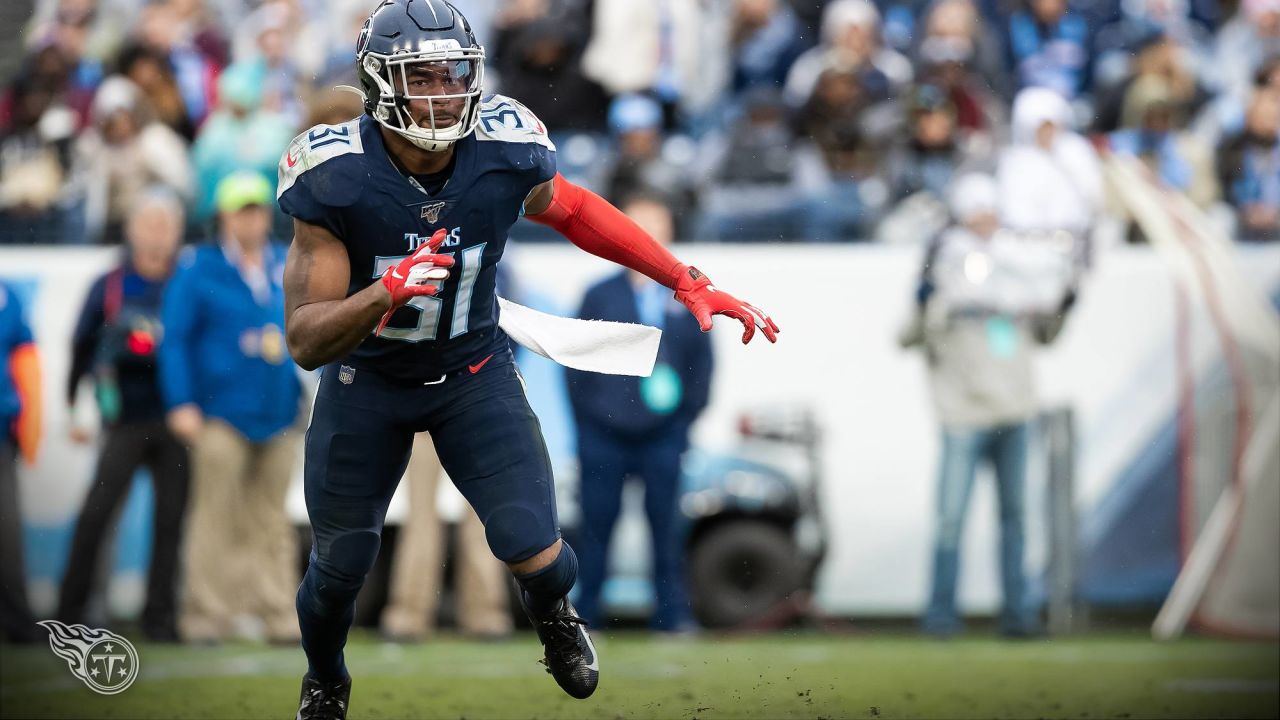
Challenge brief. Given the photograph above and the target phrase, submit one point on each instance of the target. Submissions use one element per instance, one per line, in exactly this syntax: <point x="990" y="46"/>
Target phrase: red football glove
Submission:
<point x="704" y="300"/>
<point x="416" y="275"/>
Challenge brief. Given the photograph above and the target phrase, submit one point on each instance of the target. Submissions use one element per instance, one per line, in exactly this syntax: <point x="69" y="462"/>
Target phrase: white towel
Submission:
<point x="602" y="346"/>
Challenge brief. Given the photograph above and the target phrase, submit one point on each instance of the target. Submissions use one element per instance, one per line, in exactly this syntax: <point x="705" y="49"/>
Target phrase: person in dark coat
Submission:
<point x="115" y="343"/>
<point x="630" y="426"/>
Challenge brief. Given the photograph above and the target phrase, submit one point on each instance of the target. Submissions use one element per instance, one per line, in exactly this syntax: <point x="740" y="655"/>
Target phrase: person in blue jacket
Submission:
<point x="19" y="438"/>
<point x="639" y="426"/>
<point x="233" y="395"/>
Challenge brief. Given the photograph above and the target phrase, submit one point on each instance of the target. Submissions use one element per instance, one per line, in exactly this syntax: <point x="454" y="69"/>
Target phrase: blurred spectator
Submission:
<point x="1049" y="177"/>
<point x="60" y="56"/>
<point x="345" y="20"/>
<point x="153" y="75"/>
<point x="35" y="158"/>
<point x="19" y="436"/>
<point x="233" y="396"/>
<point x="269" y="52"/>
<point x="921" y="168"/>
<point x="121" y="155"/>
<point x="333" y="107"/>
<point x="672" y="49"/>
<point x="1249" y="168"/>
<point x="196" y="53"/>
<point x="1050" y="47"/>
<point x="641" y="166"/>
<point x="639" y="426"/>
<point x="765" y="38"/>
<point x="1140" y="21"/>
<point x="539" y="61"/>
<point x="115" y="342"/>
<point x="954" y="34"/>
<point x="480" y="587"/>
<point x="198" y="25"/>
<point x="241" y="135"/>
<point x="757" y="177"/>
<point x="933" y="151"/>
<point x="850" y="42"/>
<point x="981" y="114"/>
<point x="850" y="133"/>
<point x="1151" y="132"/>
<point x="1244" y="43"/>
<point x="978" y="345"/>
<point x="1156" y="58"/>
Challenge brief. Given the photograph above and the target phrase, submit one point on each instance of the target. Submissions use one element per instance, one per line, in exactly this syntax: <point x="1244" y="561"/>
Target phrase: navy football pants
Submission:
<point x="489" y="442"/>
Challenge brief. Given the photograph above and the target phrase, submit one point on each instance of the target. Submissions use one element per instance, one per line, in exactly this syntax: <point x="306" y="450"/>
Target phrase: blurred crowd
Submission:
<point x="813" y="120"/>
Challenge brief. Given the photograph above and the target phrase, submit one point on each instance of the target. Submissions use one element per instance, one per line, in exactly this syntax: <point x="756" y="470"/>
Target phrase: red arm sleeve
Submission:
<point x="591" y="223"/>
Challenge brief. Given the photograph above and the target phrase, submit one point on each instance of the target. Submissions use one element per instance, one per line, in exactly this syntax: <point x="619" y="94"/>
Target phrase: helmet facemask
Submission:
<point x="447" y="76"/>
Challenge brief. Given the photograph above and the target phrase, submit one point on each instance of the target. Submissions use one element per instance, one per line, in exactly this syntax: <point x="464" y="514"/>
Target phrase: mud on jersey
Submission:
<point x="341" y="178"/>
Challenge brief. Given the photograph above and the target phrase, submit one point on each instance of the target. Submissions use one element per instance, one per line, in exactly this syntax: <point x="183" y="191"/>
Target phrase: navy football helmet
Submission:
<point x="421" y="50"/>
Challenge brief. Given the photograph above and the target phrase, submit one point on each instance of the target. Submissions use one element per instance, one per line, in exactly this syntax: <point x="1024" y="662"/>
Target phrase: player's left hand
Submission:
<point x="415" y="275"/>
<point x="705" y="300"/>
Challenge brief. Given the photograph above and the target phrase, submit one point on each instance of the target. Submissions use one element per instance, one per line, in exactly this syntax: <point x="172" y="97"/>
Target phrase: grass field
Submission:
<point x="799" y="675"/>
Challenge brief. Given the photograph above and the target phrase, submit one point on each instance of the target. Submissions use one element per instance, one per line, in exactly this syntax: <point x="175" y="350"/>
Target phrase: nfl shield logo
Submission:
<point x="346" y="375"/>
<point x="431" y="212"/>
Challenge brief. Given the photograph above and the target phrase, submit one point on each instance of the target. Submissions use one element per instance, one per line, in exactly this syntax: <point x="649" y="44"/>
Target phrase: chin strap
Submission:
<point x="591" y="223"/>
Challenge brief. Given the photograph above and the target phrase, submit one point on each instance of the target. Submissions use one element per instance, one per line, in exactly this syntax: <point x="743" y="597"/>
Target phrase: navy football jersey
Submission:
<point x="340" y="177"/>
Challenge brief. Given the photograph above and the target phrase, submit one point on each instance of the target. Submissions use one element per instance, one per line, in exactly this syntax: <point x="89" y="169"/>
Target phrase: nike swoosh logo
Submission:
<point x="476" y="368"/>
<point x="395" y="273"/>
<point x="291" y="160"/>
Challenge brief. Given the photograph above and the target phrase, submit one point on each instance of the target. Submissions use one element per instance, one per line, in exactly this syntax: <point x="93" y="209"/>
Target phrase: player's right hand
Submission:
<point x="415" y="275"/>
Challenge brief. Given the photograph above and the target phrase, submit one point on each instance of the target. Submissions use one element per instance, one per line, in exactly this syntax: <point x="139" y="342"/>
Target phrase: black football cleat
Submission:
<point x="570" y="657"/>
<point x="323" y="701"/>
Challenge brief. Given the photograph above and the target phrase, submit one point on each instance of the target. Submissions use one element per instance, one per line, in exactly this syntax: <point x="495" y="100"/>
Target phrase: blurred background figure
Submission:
<point x="36" y="147"/>
<point x="19" y="439"/>
<point x="757" y="175"/>
<point x="1151" y="130"/>
<point x="1243" y="44"/>
<point x="1249" y="164"/>
<point x="537" y="55"/>
<point x="765" y="38"/>
<point x="851" y="42"/>
<point x="644" y="165"/>
<point x="923" y="164"/>
<point x="958" y="50"/>
<point x="1049" y="177"/>
<point x="1049" y="45"/>
<point x="242" y="134"/>
<point x="122" y="154"/>
<point x="1154" y="58"/>
<point x="670" y="49"/>
<point x="115" y="343"/>
<point x="268" y="50"/>
<point x="978" y="338"/>
<point x="639" y="427"/>
<point x="233" y="396"/>
<point x="417" y="573"/>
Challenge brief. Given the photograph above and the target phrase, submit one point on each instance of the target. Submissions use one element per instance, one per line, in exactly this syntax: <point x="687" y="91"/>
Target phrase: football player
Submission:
<point x="400" y="217"/>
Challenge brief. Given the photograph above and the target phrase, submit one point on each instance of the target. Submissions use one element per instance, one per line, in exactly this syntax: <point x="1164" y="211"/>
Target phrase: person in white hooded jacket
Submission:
<point x="1049" y="178"/>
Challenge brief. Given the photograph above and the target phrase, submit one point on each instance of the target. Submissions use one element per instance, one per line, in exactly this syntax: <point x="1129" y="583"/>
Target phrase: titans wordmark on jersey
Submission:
<point x="340" y="177"/>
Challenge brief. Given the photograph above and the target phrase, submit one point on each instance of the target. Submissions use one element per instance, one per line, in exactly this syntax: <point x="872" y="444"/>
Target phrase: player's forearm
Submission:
<point x="319" y="333"/>
<point x="591" y="223"/>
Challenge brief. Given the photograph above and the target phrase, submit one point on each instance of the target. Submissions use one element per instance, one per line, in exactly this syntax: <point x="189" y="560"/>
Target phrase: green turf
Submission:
<point x="777" y="676"/>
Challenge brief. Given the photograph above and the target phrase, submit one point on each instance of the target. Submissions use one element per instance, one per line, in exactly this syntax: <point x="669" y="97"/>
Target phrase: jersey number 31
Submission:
<point x="428" y="307"/>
